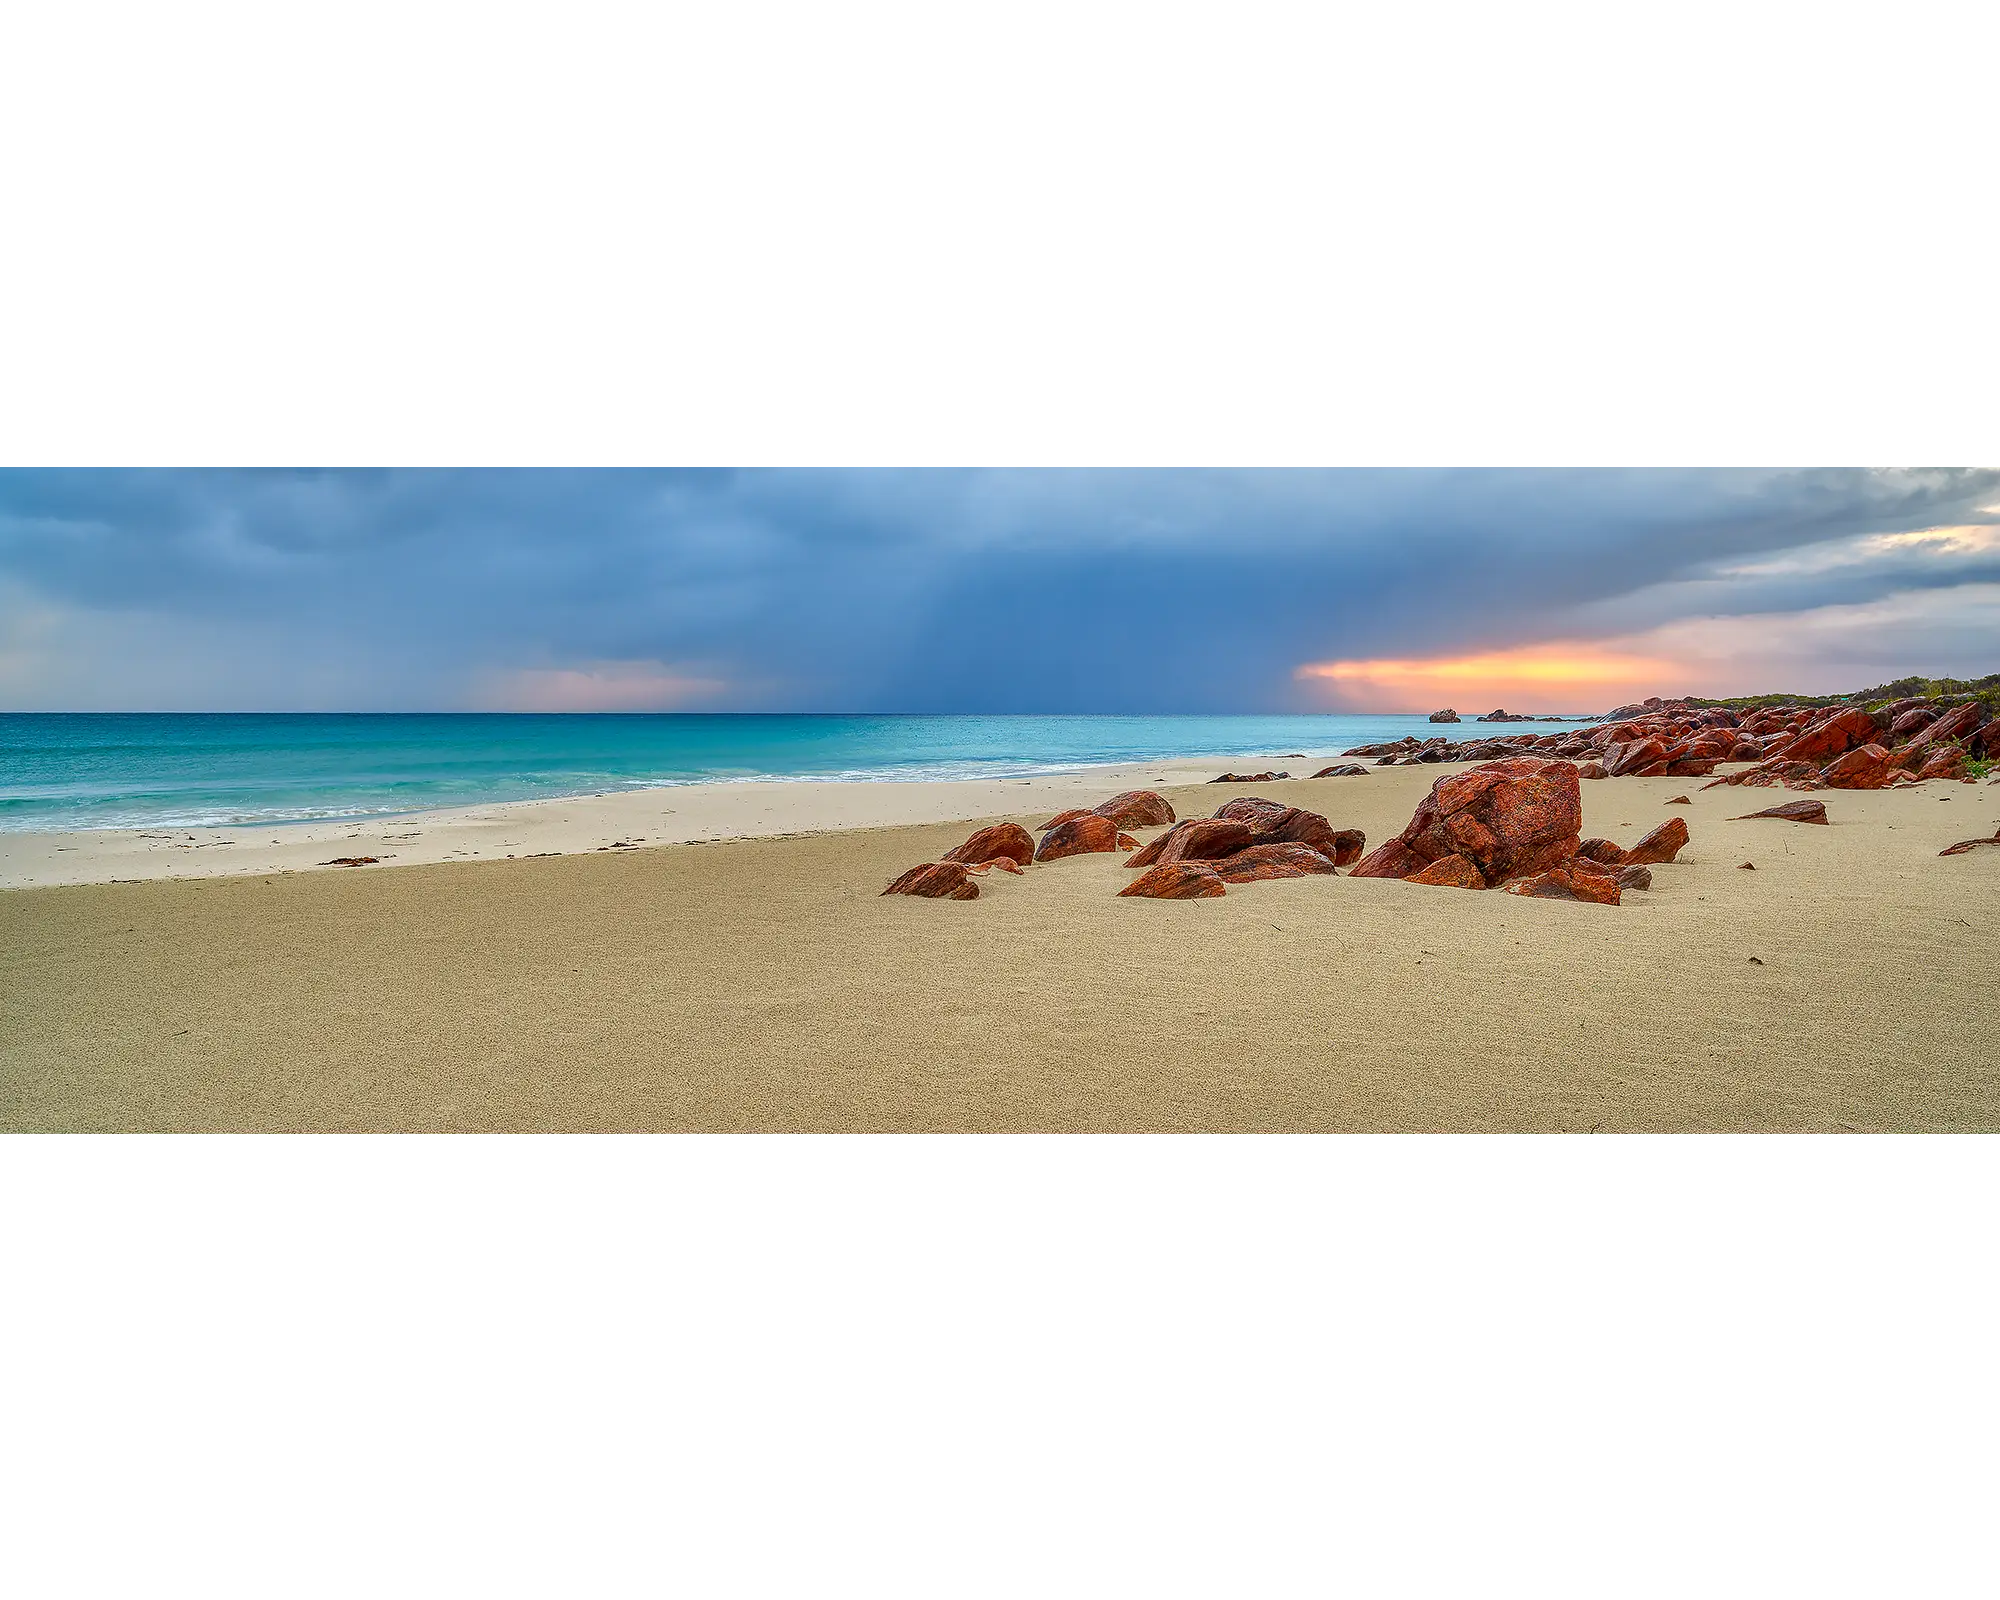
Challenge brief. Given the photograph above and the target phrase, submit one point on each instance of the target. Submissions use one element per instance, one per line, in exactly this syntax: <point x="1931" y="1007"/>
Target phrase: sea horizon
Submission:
<point x="106" y="769"/>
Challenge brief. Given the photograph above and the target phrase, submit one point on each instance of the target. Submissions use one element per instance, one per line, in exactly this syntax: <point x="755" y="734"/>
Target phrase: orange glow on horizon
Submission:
<point x="1555" y="676"/>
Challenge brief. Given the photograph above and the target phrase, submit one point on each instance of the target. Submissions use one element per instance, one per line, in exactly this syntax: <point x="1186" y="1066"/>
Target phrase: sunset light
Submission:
<point x="1556" y="676"/>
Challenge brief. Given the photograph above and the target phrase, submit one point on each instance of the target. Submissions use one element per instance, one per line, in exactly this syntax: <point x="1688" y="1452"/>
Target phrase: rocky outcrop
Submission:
<point x="1831" y="735"/>
<point x="1250" y="777"/>
<point x="1088" y="834"/>
<point x="1008" y="839"/>
<point x="1260" y="861"/>
<point x="1864" y="767"/>
<point x="1510" y="819"/>
<point x="1791" y="811"/>
<point x="1446" y="715"/>
<point x="1197" y="839"/>
<point x="1449" y="872"/>
<point x="1137" y="808"/>
<point x="1347" y="769"/>
<point x="1662" y="844"/>
<point x="1176" y="880"/>
<point x="936" y="880"/>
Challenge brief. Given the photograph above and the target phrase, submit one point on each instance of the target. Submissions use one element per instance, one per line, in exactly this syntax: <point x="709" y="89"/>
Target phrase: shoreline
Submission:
<point x="617" y="821"/>
<point x="765" y="984"/>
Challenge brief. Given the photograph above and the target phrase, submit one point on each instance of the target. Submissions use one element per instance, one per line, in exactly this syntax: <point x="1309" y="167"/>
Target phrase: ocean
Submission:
<point x="62" y="771"/>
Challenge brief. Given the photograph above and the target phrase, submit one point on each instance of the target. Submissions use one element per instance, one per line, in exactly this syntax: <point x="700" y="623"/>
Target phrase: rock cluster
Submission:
<point x="1798" y="747"/>
<point x="1246" y="841"/>
<point x="1515" y="824"/>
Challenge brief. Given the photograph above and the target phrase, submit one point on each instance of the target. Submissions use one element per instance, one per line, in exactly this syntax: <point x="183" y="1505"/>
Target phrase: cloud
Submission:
<point x="918" y="590"/>
<point x="605" y="686"/>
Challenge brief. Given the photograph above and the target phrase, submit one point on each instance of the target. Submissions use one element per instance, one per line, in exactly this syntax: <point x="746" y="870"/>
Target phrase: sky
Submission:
<point x="987" y="591"/>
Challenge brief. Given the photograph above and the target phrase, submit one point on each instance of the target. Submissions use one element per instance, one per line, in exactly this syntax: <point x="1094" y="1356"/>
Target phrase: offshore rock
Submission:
<point x="1444" y="716"/>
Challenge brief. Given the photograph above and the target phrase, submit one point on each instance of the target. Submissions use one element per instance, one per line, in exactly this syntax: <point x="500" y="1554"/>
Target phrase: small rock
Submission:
<point x="1680" y="800"/>
<point x="351" y="861"/>
<point x="1634" y="877"/>
<point x="936" y="880"/>
<point x="1347" y="769"/>
<point x="1176" y="880"/>
<point x="1747" y="866"/>
<point x="1250" y="777"/>
<point x="1791" y="811"/>
<point x="1666" y="841"/>
<point x="1449" y="872"/>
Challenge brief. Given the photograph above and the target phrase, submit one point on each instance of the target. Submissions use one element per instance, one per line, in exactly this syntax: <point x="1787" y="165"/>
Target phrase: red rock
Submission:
<point x="1007" y="839"/>
<point x="1966" y="845"/>
<point x="1449" y="872"/>
<point x="1088" y="834"/>
<point x="1945" y="762"/>
<point x="1662" y="844"/>
<point x="1255" y="810"/>
<point x="1197" y="839"/>
<point x="1592" y="769"/>
<point x="1176" y="880"/>
<point x="999" y="863"/>
<point x="1680" y="800"/>
<point x="1620" y="759"/>
<point x="1746" y="750"/>
<point x="1347" y="769"/>
<point x="1602" y="850"/>
<point x="1127" y="842"/>
<point x="936" y="880"/>
<point x="1250" y="777"/>
<point x="1634" y="877"/>
<point x="1561" y="883"/>
<point x="1953" y="724"/>
<point x="1509" y="818"/>
<point x="1790" y="811"/>
<point x="1864" y="767"/>
<point x="1061" y="817"/>
<point x="1137" y="808"/>
<point x="1348" y="843"/>
<point x="1687" y="767"/>
<point x="1913" y="719"/>
<point x="1260" y="861"/>
<point x="1392" y="860"/>
<point x="1832" y="735"/>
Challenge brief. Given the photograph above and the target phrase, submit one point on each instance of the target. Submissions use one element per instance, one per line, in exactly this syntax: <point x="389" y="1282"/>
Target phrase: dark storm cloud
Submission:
<point x="896" y="590"/>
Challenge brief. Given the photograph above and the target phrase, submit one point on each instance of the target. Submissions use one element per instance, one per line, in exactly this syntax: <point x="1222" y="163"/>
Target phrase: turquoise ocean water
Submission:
<point x="152" y="770"/>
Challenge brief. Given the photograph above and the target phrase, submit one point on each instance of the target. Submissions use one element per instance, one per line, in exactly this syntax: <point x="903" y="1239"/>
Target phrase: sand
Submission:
<point x="763" y="985"/>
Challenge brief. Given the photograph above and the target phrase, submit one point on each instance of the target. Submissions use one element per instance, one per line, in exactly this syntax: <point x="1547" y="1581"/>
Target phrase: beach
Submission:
<point x="758" y="982"/>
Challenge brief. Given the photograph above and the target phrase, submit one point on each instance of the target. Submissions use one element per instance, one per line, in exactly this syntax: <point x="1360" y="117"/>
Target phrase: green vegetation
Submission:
<point x="1985" y="690"/>
<point x="1978" y="767"/>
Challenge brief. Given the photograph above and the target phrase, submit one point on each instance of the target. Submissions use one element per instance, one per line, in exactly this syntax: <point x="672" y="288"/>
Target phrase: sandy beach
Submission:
<point x="762" y="985"/>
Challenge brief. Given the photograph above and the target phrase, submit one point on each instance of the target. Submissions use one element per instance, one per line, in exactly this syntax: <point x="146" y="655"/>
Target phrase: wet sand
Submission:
<point x="763" y="985"/>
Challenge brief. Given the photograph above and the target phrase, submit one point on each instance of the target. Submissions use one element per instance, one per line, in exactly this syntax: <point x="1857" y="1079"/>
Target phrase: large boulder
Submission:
<point x="1255" y="810"/>
<point x="1956" y="723"/>
<point x="1662" y="844"/>
<point x="1943" y="761"/>
<point x="1176" y="880"/>
<point x="1137" y="808"/>
<point x="1620" y="760"/>
<point x="1509" y="818"/>
<point x="1061" y="817"/>
<point x="1088" y="834"/>
<point x="1008" y="839"/>
<point x="936" y="880"/>
<point x="1259" y="861"/>
<point x="1197" y="839"/>
<point x="1832" y="735"/>
<point x="1864" y="767"/>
